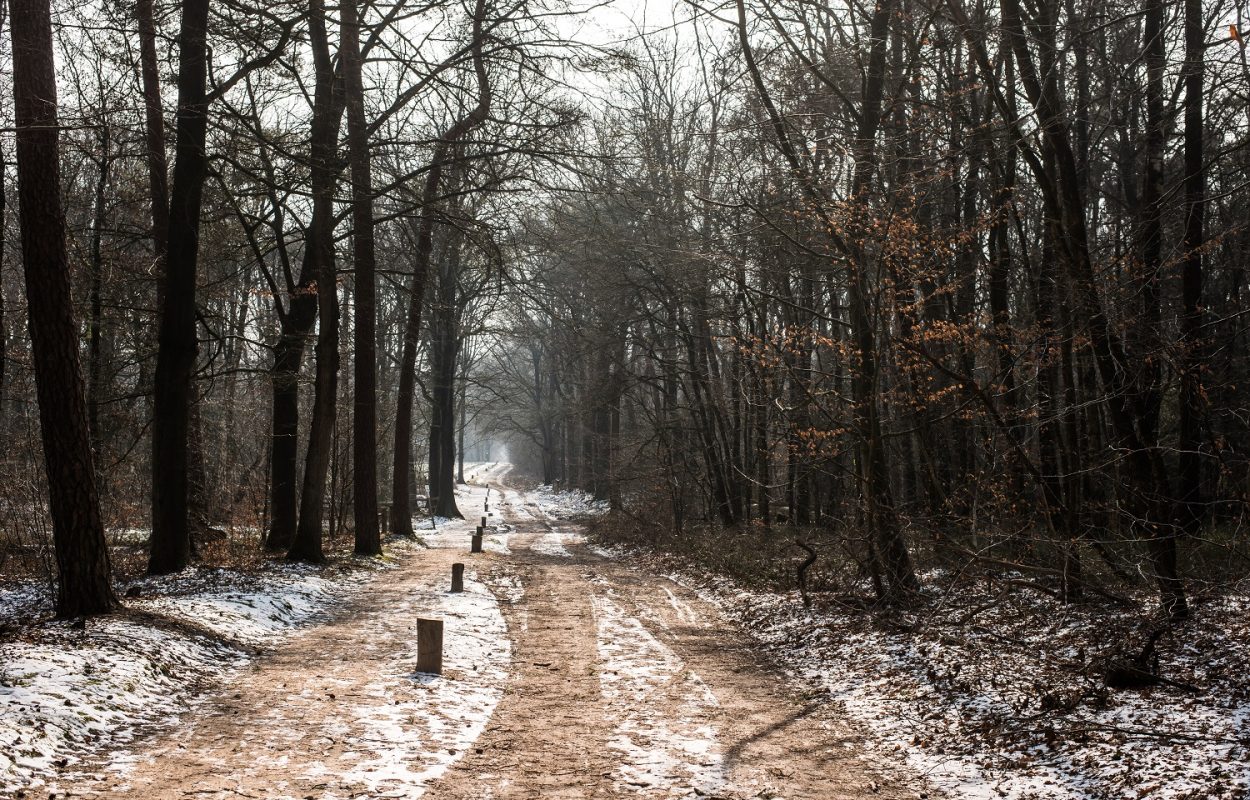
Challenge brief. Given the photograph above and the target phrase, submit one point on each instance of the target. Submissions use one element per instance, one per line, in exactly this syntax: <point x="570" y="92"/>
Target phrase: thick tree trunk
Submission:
<point x="83" y="569"/>
<point x="284" y="419"/>
<point x="365" y="401"/>
<point x="176" y="337"/>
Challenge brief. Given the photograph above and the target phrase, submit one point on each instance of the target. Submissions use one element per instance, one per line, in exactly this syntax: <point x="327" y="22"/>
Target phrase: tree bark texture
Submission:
<point x="176" y="336"/>
<point x="83" y="569"/>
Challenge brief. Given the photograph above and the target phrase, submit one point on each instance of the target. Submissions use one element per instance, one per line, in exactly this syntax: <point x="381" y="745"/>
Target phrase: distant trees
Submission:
<point x="193" y="287"/>
<point x="934" y="282"/>
<point x="919" y="285"/>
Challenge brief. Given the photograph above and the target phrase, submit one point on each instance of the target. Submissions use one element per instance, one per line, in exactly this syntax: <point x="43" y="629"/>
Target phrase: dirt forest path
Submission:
<point x="592" y="680"/>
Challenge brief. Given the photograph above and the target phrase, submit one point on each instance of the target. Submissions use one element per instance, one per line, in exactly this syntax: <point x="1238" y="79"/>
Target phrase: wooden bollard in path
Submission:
<point x="483" y="522"/>
<point x="430" y="646"/>
<point x="476" y="543"/>
<point x="457" y="577"/>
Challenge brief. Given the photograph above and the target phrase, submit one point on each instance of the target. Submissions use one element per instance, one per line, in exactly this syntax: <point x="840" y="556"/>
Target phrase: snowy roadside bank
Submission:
<point x="1002" y="697"/>
<point x="69" y="690"/>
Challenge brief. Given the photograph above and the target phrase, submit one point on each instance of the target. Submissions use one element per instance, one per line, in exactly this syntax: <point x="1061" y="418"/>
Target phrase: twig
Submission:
<point x="802" y="572"/>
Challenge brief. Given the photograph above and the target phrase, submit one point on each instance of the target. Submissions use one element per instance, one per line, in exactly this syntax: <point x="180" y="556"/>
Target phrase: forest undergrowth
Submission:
<point x="987" y="682"/>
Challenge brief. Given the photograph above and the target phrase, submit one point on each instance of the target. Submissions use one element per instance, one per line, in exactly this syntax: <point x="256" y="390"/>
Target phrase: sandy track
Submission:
<point x="548" y="735"/>
<point x="310" y="719"/>
<point x="558" y="731"/>
<point x="621" y="684"/>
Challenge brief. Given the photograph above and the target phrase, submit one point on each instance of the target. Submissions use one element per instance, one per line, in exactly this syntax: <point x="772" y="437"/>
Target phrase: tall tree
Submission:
<point x="83" y="569"/>
<point x="1193" y="355"/>
<point x="365" y="402"/>
<point x="176" y="337"/>
<point x="401" y="474"/>
<point x="320" y="263"/>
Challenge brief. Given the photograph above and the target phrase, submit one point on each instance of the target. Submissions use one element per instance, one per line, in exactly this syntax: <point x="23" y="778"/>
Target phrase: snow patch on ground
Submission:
<point x="404" y="746"/>
<point x="256" y="611"/>
<point x="67" y="692"/>
<point x="507" y="587"/>
<point x="554" y="543"/>
<point x="73" y="691"/>
<point x="558" y="504"/>
<point x="985" y="714"/>
<point x="661" y="710"/>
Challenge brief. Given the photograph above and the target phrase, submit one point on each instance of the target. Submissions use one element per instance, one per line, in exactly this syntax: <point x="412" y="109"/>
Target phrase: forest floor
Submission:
<point x="567" y="674"/>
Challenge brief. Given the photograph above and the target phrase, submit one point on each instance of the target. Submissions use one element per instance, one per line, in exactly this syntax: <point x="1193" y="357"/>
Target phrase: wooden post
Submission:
<point x="483" y="522"/>
<point x="457" y="577"/>
<point x="430" y="646"/>
<point x="476" y="545"/>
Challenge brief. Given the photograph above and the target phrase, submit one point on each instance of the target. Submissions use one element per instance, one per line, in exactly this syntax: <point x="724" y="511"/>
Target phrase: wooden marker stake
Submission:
<point x="476" y="546"/>
<point x="457" y="577"/>
<point x="483" y="522"/>
<point x="430" y="646"/>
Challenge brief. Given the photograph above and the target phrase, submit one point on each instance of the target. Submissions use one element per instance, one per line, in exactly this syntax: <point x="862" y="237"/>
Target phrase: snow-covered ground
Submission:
<point x="553" y="543"/>
<point x="572" y="504"/>
<point x="406" y="745"/>
<point x="661" y="710"/>
<point x="68" y="691"/>
<point x="1010" y="704"/>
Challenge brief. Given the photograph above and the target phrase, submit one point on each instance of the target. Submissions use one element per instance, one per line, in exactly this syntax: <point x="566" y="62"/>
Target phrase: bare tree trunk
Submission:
<point x="82" y="558"/>
<point x="95" y="368"/>
<point x="154" y="131"/>
<point x="365" y="401"/>
<point x="4" y="328"/>
<point x="176" y="338"/>
<point x="445" y="344"/>
<point x="401" y="505"/>
<point x="284" y="429"/>
<point x="1191" y="410"/>
<point x="306" y="545"/>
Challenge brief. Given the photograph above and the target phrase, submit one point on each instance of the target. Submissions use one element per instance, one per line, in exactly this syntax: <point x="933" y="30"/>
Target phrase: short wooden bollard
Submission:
<point x="430" y="646"/>
<point x="457" y="577"/>
<point x="476" y="545"/>
<point x="483" y="522"/>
